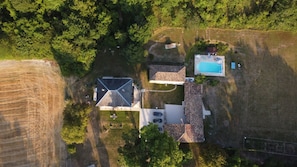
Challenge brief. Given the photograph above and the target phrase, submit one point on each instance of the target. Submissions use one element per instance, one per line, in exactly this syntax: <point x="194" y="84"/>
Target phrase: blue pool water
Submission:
<point x="209" y="67"/>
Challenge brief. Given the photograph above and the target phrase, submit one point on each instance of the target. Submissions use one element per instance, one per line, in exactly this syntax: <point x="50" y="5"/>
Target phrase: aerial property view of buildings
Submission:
<point x="183" y="122"/>
<point x="100" y="83"/>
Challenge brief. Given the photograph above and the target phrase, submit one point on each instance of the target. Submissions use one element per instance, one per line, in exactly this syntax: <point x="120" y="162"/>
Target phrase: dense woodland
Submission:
<point x="72" y="31"/>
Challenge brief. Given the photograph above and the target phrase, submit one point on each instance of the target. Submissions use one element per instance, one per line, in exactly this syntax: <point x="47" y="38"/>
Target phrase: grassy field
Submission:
<point x="260" y="99"/>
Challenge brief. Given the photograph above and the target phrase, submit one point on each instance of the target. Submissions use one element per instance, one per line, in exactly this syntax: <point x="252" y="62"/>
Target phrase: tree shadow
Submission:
<point x="159" y="54"/>
<point x="16" y="149"/>
<point x="101" y="148"/>
<point x="68" y="65"/>
<point x="132" y="119"/>
<point x="256" y="100"/>
<point x="90" y="151"/>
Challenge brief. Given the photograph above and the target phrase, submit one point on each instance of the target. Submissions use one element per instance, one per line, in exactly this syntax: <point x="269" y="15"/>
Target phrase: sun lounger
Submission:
<point x="233" y="65"/>
<point x="170" y="46"/>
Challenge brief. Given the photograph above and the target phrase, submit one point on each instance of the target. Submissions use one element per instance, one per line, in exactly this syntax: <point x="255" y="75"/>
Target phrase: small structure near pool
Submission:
<point x="209" y="65"/>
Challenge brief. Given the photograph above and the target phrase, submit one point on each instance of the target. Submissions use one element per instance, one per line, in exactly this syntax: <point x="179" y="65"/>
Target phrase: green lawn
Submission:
<point x="154" y="99"/>
<point x="111" y="136"/>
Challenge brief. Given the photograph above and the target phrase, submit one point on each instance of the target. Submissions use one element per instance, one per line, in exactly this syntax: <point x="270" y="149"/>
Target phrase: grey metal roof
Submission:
<point x="114" y="92"/>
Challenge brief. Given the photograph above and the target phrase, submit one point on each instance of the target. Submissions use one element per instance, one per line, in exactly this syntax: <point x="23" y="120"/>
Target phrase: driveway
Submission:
<point x="146" y="116"/>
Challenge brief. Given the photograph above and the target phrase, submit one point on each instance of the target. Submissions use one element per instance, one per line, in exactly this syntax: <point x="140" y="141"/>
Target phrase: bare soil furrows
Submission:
<point x="31" y="107"/>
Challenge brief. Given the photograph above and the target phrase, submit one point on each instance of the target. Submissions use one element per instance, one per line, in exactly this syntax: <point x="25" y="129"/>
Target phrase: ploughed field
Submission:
<point x="31" y="107"/>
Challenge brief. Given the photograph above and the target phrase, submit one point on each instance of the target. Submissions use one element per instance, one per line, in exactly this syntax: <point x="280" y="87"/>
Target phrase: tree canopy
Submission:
<point x="212" y="156"/>
<point x="149" y="147"/>
<point x="75" y="122"/>
<point x="72" y="31"/>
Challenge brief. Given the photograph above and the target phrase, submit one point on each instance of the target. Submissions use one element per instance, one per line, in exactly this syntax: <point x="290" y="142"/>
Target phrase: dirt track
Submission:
<point x="31" y="106"/>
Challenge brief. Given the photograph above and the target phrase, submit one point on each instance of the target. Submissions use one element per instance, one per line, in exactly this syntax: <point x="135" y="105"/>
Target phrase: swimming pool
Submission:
<point x="209" y="67"/>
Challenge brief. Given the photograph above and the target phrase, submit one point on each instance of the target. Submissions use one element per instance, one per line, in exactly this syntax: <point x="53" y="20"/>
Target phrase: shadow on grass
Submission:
<point x="158" y="54"/>
<point x="132" y="119"/>
<point x="68" y="65"/>
<point x="103" y="154"/>
<point x="257" y="100"/>
<point x="110" y="64"/>
<point x="101" y="148"/>
<point x="13" y="143"/>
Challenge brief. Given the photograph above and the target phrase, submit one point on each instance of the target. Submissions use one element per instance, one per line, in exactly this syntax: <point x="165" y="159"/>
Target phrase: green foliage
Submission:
<point x="134" y="54"/>
<point x="34" y="32"/>
<point x="24" y="6"/>
<point x="149" y="147"/>
<point x="139" y="34"/>
<point x="237" y="161"/>
<point x="212" y="82"/>
<point x="71" y="31"/>
<point x="120" y="37"/>
<point x="199" y="47"/>
<point x="74" y="48"/>
<point x="222" y="48"/>
<point x="75" y="122"/>
<point x="71" y="149"/>
<point x="200" y="79"/>
<point x="212" y="156"/>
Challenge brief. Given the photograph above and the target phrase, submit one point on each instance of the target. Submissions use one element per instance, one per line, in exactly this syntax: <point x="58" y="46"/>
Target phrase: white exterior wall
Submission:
<point x="135" y="107"/>
<point x="167" y="82"/>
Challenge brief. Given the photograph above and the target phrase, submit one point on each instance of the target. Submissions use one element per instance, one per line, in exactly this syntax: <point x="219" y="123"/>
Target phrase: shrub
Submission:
<point x="71" y="149"/>
<point x="200" y="79"/>
<point x="213" y="82"/>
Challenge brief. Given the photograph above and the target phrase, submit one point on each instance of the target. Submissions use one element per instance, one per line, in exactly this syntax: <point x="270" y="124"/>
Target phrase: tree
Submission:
<point x="212" y="82"/>
<point x="200" y="79"/>
<point x="212" y="155"/>
<point x="238" y="161"/>
<point x="134" y="54"/>
<point x="149" y="147"/>
<point x="75" y="122"/>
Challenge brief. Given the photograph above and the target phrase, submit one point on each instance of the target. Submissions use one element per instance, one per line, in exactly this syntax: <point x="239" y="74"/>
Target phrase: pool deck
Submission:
<point x="209" y="58"/>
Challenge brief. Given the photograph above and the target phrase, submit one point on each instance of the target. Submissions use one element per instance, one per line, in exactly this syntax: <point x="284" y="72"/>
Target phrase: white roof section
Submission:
<point x="174" y="114"/>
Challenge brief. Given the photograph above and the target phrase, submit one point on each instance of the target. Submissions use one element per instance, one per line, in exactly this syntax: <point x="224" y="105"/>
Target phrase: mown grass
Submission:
<point x="111" y="136"/>
<point x="158" y="99"/>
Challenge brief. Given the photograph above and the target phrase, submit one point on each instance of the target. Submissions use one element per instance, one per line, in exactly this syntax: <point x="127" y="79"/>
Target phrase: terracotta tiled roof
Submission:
<point x="193" y="112"/>
<point x="167" y="73"/>
<point x="192" y="130"/>
<point x="175" y="130"/>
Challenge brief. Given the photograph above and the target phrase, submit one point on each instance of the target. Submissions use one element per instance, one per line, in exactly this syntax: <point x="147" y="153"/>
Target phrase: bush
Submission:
<point x="200" y="79"/>
<point x="213" y="82"/>
<point x="71" y="149"/>
<point x="75" y="122"/>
